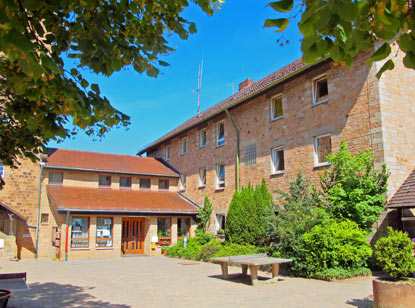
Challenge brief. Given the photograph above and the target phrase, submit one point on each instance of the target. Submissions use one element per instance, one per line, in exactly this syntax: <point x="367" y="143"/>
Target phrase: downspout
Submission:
<point x="66" y="237"/>
<point x="238" y="188"/>
<point x="38" y="209"/>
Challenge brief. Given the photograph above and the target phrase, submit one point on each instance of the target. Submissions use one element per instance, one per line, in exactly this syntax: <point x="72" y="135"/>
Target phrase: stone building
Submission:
<point x="287" y="122"/>
<point x="92" y="205"/>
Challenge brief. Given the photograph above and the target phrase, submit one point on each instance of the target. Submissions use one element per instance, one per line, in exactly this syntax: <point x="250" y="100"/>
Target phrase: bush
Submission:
<point x="394" y="254"/>
<point x="209" y="250"/>
<point x="236" y="249"/>
<point x="335" y="245"/>
<point x="341" y="273"/>
<point x="300" y="214"/>
<point x="353" y="190"/>
<point x="194" y="247"/>
<point x="248" y="215"/>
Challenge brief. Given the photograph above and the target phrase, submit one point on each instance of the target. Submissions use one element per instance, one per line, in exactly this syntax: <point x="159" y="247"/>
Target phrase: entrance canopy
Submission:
<point x="9" y="210"/>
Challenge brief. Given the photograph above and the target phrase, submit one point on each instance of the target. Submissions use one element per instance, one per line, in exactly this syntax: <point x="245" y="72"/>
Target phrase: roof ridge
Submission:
<point x="100" y="153"/>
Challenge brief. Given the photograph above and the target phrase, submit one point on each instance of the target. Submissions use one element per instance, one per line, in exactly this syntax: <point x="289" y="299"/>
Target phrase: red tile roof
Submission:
<point x="238" y="97"/>
<point x="405" y="196"/>
<point x="119" y="200"/>
<point x="81" y="160"/>
<point x="12" y="211"/>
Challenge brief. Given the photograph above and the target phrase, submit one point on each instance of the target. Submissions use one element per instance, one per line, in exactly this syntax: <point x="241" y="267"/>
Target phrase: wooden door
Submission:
<point x="132" y="240"/>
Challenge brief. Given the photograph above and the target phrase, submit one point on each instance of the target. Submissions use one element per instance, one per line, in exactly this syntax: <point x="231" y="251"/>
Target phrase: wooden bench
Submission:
<point x="16" y="282"/>
<point x="253" y="262"/>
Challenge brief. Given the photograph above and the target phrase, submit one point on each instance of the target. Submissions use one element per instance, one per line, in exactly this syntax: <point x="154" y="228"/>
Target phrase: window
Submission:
<point x="220" y="134"/>
<point x="164" y="231"/>
<point x="320" y="90"/>
<point x="145" y="183"/>
<point x="104" y="232"/>
<point x="163" y="184"/>
<point x="182" y="185"/>
<point x="202" y="138"/>
<point x="277" y="157"/>
<point x="322" y="147"/>
<point x="44" y="218"/>
<point x="250" y="155"/>
<point x="183" y="227"/>
<point x="80" y="232"/>
<point x="105" y="180"/>
<point x="202" y="177"/>
<point x="168" y="152"/>
<point x="1" y="170"/>
<point x="55" y="177"/>
<point x="183" y="146"/>
<point x="220" y="176"/>
<point x="276" y="107"/>
<point x="125" y="182"/>
<point x="220" y="222"/>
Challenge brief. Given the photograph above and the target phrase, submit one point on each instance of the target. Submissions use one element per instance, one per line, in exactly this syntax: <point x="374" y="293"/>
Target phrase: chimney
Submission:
<point x="245" y="83"/>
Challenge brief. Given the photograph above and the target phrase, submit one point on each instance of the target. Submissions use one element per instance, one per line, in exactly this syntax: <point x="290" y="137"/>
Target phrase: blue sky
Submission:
<point x="234" y="46"/>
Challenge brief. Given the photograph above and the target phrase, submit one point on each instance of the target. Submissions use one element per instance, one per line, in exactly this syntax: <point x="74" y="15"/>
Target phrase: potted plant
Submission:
<point x="394" y="254"/>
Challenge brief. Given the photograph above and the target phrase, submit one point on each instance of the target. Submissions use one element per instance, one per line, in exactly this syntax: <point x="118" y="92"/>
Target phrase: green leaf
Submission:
<point x="19" y="40"/>
<point x="84" y="83"/>
<point x="152" y="71"/>
<point x="282" y="6"/>
<point x="406" y="42"/>
<point x="409" y="60"/>
<point x="95" y="88"/>
<point x="389" y="65"/>
<point x="342" y="34"/>
<point x="74" y="72"/>
<point x="280" y="23"/>
<point x="380" y="54"/>
<point x="162" y="63"/>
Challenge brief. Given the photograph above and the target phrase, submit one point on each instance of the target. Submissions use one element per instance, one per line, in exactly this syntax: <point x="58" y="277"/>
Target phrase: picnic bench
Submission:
<point x="16" y="282"/>
<point x="253" y="262"/>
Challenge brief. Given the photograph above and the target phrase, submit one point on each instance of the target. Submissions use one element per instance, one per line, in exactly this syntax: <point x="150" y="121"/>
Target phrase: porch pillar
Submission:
<point x="11" y="224"/>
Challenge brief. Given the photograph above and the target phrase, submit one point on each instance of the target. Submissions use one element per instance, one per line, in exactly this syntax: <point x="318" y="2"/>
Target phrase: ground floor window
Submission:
<point x="104" y="232"/>
<point x="183" y="227"/>
<point x="220" y="223"/>
<point x="164" y="231"/>
<point x="80" y="232"/>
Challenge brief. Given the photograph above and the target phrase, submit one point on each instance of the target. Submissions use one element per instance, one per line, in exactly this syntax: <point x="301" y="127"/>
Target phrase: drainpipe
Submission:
<point x="38" y="209"/>
<point x="237" y="150"/>
<point x="66" y="237"/>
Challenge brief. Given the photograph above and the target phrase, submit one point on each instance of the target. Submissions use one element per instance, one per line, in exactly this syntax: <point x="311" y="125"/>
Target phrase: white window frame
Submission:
<point x="167" y="154"/>
<point x="204" y="130"/>
<point x="183" y="146"/>
<point x="314" y="89"/>
<point x="201" y="182"/>
<point x="279" y="96"/>
<point x="220" y="218"/>
<point x="273" y="163"/>
<point x="218" y="141"/>
<point x="316" y="161"/>
<point x="182" y="182"/>
<point x="220" y="184"/>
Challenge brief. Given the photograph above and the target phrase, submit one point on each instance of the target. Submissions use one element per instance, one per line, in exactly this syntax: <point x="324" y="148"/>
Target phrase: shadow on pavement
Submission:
<point x="239" y="278"/>
<point x="48" y="295"/>
<point x="366" y="302"/>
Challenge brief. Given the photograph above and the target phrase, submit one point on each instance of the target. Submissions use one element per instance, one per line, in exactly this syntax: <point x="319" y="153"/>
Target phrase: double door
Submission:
<point x="132" y="240"/>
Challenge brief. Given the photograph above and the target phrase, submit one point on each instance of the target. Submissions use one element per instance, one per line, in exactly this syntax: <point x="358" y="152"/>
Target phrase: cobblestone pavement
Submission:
<point x="167" y="282"/>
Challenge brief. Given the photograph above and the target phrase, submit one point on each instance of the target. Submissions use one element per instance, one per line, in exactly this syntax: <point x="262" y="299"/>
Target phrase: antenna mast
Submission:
<point x="199" y="86"/>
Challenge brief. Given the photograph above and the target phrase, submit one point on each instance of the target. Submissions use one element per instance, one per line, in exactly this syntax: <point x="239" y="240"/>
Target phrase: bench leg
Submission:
<point x="275" y="269"/>
<point x="244" y="270"/>
<point x="253" y="269"/>
<point x="224" y="267"/>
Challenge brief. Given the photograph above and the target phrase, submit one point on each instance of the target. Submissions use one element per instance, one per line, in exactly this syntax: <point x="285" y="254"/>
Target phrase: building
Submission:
<point x="287" y="122"/>
<point x="92" y="205"/>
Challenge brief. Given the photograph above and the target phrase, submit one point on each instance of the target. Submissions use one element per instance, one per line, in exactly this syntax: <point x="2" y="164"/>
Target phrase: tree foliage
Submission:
<point x="343" y="28"/>
<point x="248" y="215"/>
<point x="40" y="99"/>
<point x="395" y="254"/>
<point x="352" y="189"/>
<point x="204" y="215"/>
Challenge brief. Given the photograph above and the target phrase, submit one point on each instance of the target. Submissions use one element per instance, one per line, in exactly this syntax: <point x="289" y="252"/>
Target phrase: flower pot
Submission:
<point x="392" y="294"/>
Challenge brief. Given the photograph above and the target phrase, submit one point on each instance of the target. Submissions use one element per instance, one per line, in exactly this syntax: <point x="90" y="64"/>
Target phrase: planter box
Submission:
<point x="391" y="294"/>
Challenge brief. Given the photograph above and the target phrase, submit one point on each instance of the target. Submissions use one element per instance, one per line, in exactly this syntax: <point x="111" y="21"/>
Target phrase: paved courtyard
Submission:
<point x="167" y="282"/>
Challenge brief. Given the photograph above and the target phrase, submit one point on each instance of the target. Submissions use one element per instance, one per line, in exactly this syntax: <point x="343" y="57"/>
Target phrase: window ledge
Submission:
<point x="183" y="153"/>
<point x="277" y="173"/>
<point x="104" y="248"/>
<point x="201" y="186"/>
<point x="220" y="188"/>
<point x="277" y="118"/>
<point x="202" y="146"/>
<point x="322" y="165"/>
<point x="182" y="190"/>
<point x="220" y="145"/>
<point x="80" y="248"/>
<point x="104" y="187"/>
<point x="320" y="102"/>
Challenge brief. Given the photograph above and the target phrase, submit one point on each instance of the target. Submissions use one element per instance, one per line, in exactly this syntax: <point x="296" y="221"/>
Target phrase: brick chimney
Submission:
<point x="245" y="83"/>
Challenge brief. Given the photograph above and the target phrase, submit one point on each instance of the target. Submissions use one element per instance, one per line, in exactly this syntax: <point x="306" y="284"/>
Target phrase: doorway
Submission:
<point x="132" y="240"/>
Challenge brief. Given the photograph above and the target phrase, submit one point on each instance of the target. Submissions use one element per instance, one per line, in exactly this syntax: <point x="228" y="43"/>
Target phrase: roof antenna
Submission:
<point x="199" y="86"/>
